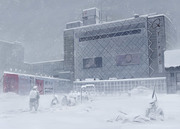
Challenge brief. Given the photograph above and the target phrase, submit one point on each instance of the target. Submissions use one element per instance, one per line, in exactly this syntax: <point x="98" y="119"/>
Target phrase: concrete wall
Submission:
<point x="112" y="42"/>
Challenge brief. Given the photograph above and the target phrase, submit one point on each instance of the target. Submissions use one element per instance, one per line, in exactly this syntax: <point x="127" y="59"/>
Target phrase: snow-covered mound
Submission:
<point x="10" y="102"/>
<point x="123" y="117"/>
<point x="8" y="95"/>
<point x="141" y="90"/>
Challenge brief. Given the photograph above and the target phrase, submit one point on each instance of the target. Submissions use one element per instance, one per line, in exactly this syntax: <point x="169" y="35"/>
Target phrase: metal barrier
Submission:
<point x="124" y="85"/>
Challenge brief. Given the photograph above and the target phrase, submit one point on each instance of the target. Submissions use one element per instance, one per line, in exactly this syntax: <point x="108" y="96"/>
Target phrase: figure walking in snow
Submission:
<point x="34" y="98"/>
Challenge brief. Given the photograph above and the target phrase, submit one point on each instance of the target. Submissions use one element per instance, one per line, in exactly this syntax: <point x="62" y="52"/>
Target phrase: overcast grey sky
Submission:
<point x="39" y="24"/>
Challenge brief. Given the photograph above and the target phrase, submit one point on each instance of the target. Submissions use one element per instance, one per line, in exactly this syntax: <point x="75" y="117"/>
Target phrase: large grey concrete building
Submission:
<point x="129" y="48"/>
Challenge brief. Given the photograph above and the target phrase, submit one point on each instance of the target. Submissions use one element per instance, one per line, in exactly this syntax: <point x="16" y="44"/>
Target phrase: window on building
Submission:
<point x="172" y="74"/>
<point x="92" y="62"/>
<point x="98" y="61"/>
<point x="108" y="35"/>
<point x="85" y="18"/>
<point x="128" y="59"/>
<point x="160" y="62"/>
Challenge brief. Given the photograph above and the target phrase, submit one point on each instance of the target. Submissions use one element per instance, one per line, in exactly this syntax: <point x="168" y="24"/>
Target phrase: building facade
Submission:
<point x="130" y="48"/>
<point x="173" y="79"/>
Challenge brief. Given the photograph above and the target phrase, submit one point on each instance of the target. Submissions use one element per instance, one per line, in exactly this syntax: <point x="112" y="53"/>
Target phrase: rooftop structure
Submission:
<point x="90" y="16"/>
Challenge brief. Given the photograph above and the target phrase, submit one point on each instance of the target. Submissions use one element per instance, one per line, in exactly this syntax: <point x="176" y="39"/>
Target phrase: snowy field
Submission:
<point x="101" y="113"/>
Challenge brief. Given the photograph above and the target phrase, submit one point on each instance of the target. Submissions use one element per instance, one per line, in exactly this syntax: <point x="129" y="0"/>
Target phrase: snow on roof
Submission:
<point x="73" y="22"/>
<point x="172" y="58"/>
<point x="104" y="23"/>
<point x="38" y="76"/>
<point x="90" y="9"/>
<point x="119" y="80"/>
<point x="3" y="41"/>
<point x="11" y="43"/>
<point x="121" y="20"/>
<point x="156" y="15"/>
<point x="50" y="61"/>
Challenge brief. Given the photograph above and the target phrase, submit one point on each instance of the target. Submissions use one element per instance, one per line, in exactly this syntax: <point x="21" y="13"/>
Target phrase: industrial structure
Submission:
<point x="123" y="49"/>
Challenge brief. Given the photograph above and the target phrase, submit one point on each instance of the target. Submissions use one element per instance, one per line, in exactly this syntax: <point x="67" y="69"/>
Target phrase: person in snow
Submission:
<point x="64" y="101"/>
<point x="34" y="98"/>
<point x="55" y="100"/>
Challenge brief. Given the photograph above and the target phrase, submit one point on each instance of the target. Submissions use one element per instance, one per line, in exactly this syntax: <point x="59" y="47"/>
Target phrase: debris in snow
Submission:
<point x="140" y="119"/>
<point x="153" y="111"/>
<point x="88" y="109"/>
<point x="121" y="117"/>
<point x="124" y="118"/>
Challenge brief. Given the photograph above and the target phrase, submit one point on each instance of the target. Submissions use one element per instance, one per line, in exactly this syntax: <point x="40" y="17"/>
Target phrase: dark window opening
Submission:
<point x="160" y="62"/>
<point x="172" y="74"/>
<point x="92" y="62"/>
<point x="130" y="32"/>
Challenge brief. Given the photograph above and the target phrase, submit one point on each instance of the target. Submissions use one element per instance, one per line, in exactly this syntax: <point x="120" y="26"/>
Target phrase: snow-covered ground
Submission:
<point x="101" y="113"/>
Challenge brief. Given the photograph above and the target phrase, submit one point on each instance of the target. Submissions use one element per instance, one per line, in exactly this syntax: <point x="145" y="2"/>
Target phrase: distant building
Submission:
<point x="172" y="64"/>
<point x="11" y="56"/>
<point x="53" y="68"/>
